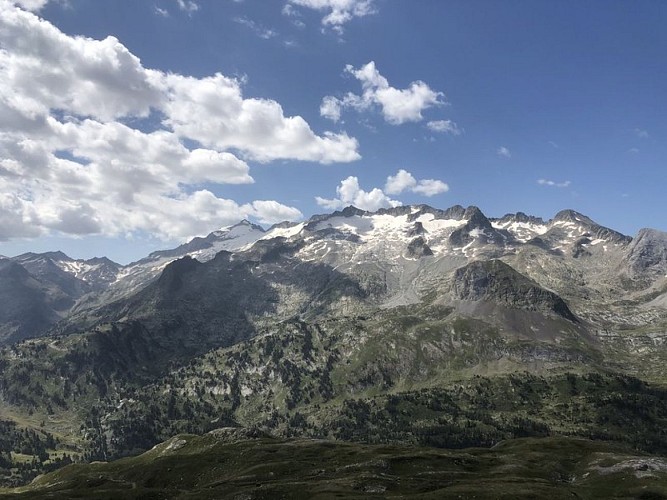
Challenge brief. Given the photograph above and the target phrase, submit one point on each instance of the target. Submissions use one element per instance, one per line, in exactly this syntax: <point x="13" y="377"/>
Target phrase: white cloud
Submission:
<point x="161" y="12"/>
<point x="398" y="106"/>
<point x="32" y="5"/>
<point x="257" y="29"/>
<point x="294" y="15"/>
<point x="271" y="212"/>
<point x="400" y="182"/>
<point x="503" y="152"/>
<point x="213" y="111"/>
<point x="350" y="193"/>
<point x="212" y="166"/>
<point x="445" y="126"/>
<point x="430" y="187"/>
<point x="339" y="12"/>
<point x="188" y="6"/>
<point x="289" y="11"/>
<point x="405" y="181"/>
<point x="546" y="182"/>
<point x="68" y="164"/>
<point x="116" y="180"/>
<point x="44" y="69"/>
<point x="330" y="108"/>
<point x="633" y="150"/>
<point x="642" y="134"/>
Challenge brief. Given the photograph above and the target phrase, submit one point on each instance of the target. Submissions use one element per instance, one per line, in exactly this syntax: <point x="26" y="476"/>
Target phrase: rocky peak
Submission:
<point x="349" y="211"/>
<point x="476" y="219"/>
<point x="402" y="210"/>
<point x="457" y="212"/>
<point x="587" y="227"/>
<point x="569" y="215"/>
<point x="520" y="217"/>
<point x="648" y="252"/>
<point x="417" y="229"/>
<point x="476" y="227"/>
<point x="171" y="278"/>
<point x="244" y="224"/>
<point x="496" y="281"/>
<point x="53" y="256"/>
<point x="419" y="248"/>
<point x="102" y="261"/>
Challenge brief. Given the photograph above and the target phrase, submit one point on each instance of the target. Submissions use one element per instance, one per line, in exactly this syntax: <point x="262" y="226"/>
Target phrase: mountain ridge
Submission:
<point x="86" y="284"/>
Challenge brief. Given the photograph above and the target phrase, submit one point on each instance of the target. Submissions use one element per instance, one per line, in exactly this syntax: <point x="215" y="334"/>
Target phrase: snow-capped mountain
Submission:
<point x="229" y="238"/>
<point x="83" y="275"/>
<point x="400" y="253"/>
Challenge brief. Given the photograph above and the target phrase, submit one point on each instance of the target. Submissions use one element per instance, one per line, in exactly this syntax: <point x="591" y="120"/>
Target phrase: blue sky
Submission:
<point x="120" y="146"/>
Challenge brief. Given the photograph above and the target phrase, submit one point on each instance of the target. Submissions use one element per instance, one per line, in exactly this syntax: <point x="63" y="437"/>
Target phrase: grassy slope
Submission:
<point x="211" y="467"/>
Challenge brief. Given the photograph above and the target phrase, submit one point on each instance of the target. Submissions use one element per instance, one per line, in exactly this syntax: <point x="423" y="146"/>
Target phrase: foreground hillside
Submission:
<point x="220" y="465"/>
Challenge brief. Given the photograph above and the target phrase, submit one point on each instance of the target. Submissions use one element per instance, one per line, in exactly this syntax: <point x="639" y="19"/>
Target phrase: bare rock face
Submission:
<point x="647" y="254"/>
<point x="495" y="281"/>
<point x="27" y="305"/>
<point x="419" y="248"/>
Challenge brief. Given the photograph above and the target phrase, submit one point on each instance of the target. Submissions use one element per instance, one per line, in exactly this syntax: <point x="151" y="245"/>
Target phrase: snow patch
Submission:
<point x="78" y="268"/>
<point x="283" y="232"/>
<point x="354" y="225"/>
<point x="522" y="231"/>
<point x="433" y="225"/>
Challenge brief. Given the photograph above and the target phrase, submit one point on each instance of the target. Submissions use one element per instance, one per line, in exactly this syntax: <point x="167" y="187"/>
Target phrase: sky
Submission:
<point x="128" y="126"/>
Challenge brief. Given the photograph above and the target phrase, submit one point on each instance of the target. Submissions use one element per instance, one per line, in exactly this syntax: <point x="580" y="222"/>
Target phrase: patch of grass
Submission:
<point x="209" y="467"/>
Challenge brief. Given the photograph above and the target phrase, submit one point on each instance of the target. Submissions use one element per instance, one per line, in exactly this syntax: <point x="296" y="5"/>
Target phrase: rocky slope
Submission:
<point x="28" y="305"/>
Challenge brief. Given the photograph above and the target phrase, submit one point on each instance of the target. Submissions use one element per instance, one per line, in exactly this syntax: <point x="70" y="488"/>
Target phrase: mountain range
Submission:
<point x="410" y="325"/>
<point x="56" y="286"/>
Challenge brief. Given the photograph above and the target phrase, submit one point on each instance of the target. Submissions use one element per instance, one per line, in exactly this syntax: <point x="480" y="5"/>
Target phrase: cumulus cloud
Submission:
<point x="93" y="177"/>
<point x="338" y="12"/>
<point x="641" y="133"/>
<point x="43" y="69"/>
<point x="547" y="182"/>
<point x="398" y="106"/>
<point x="271" y="212"/>
<point x="405" y="181"/>
<point x="78" y="154"/>
<point x="503" y="152"/>
<point x="213" y="111"/>
<point x="350" y="193"/>
<point x="444" y="126"/>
